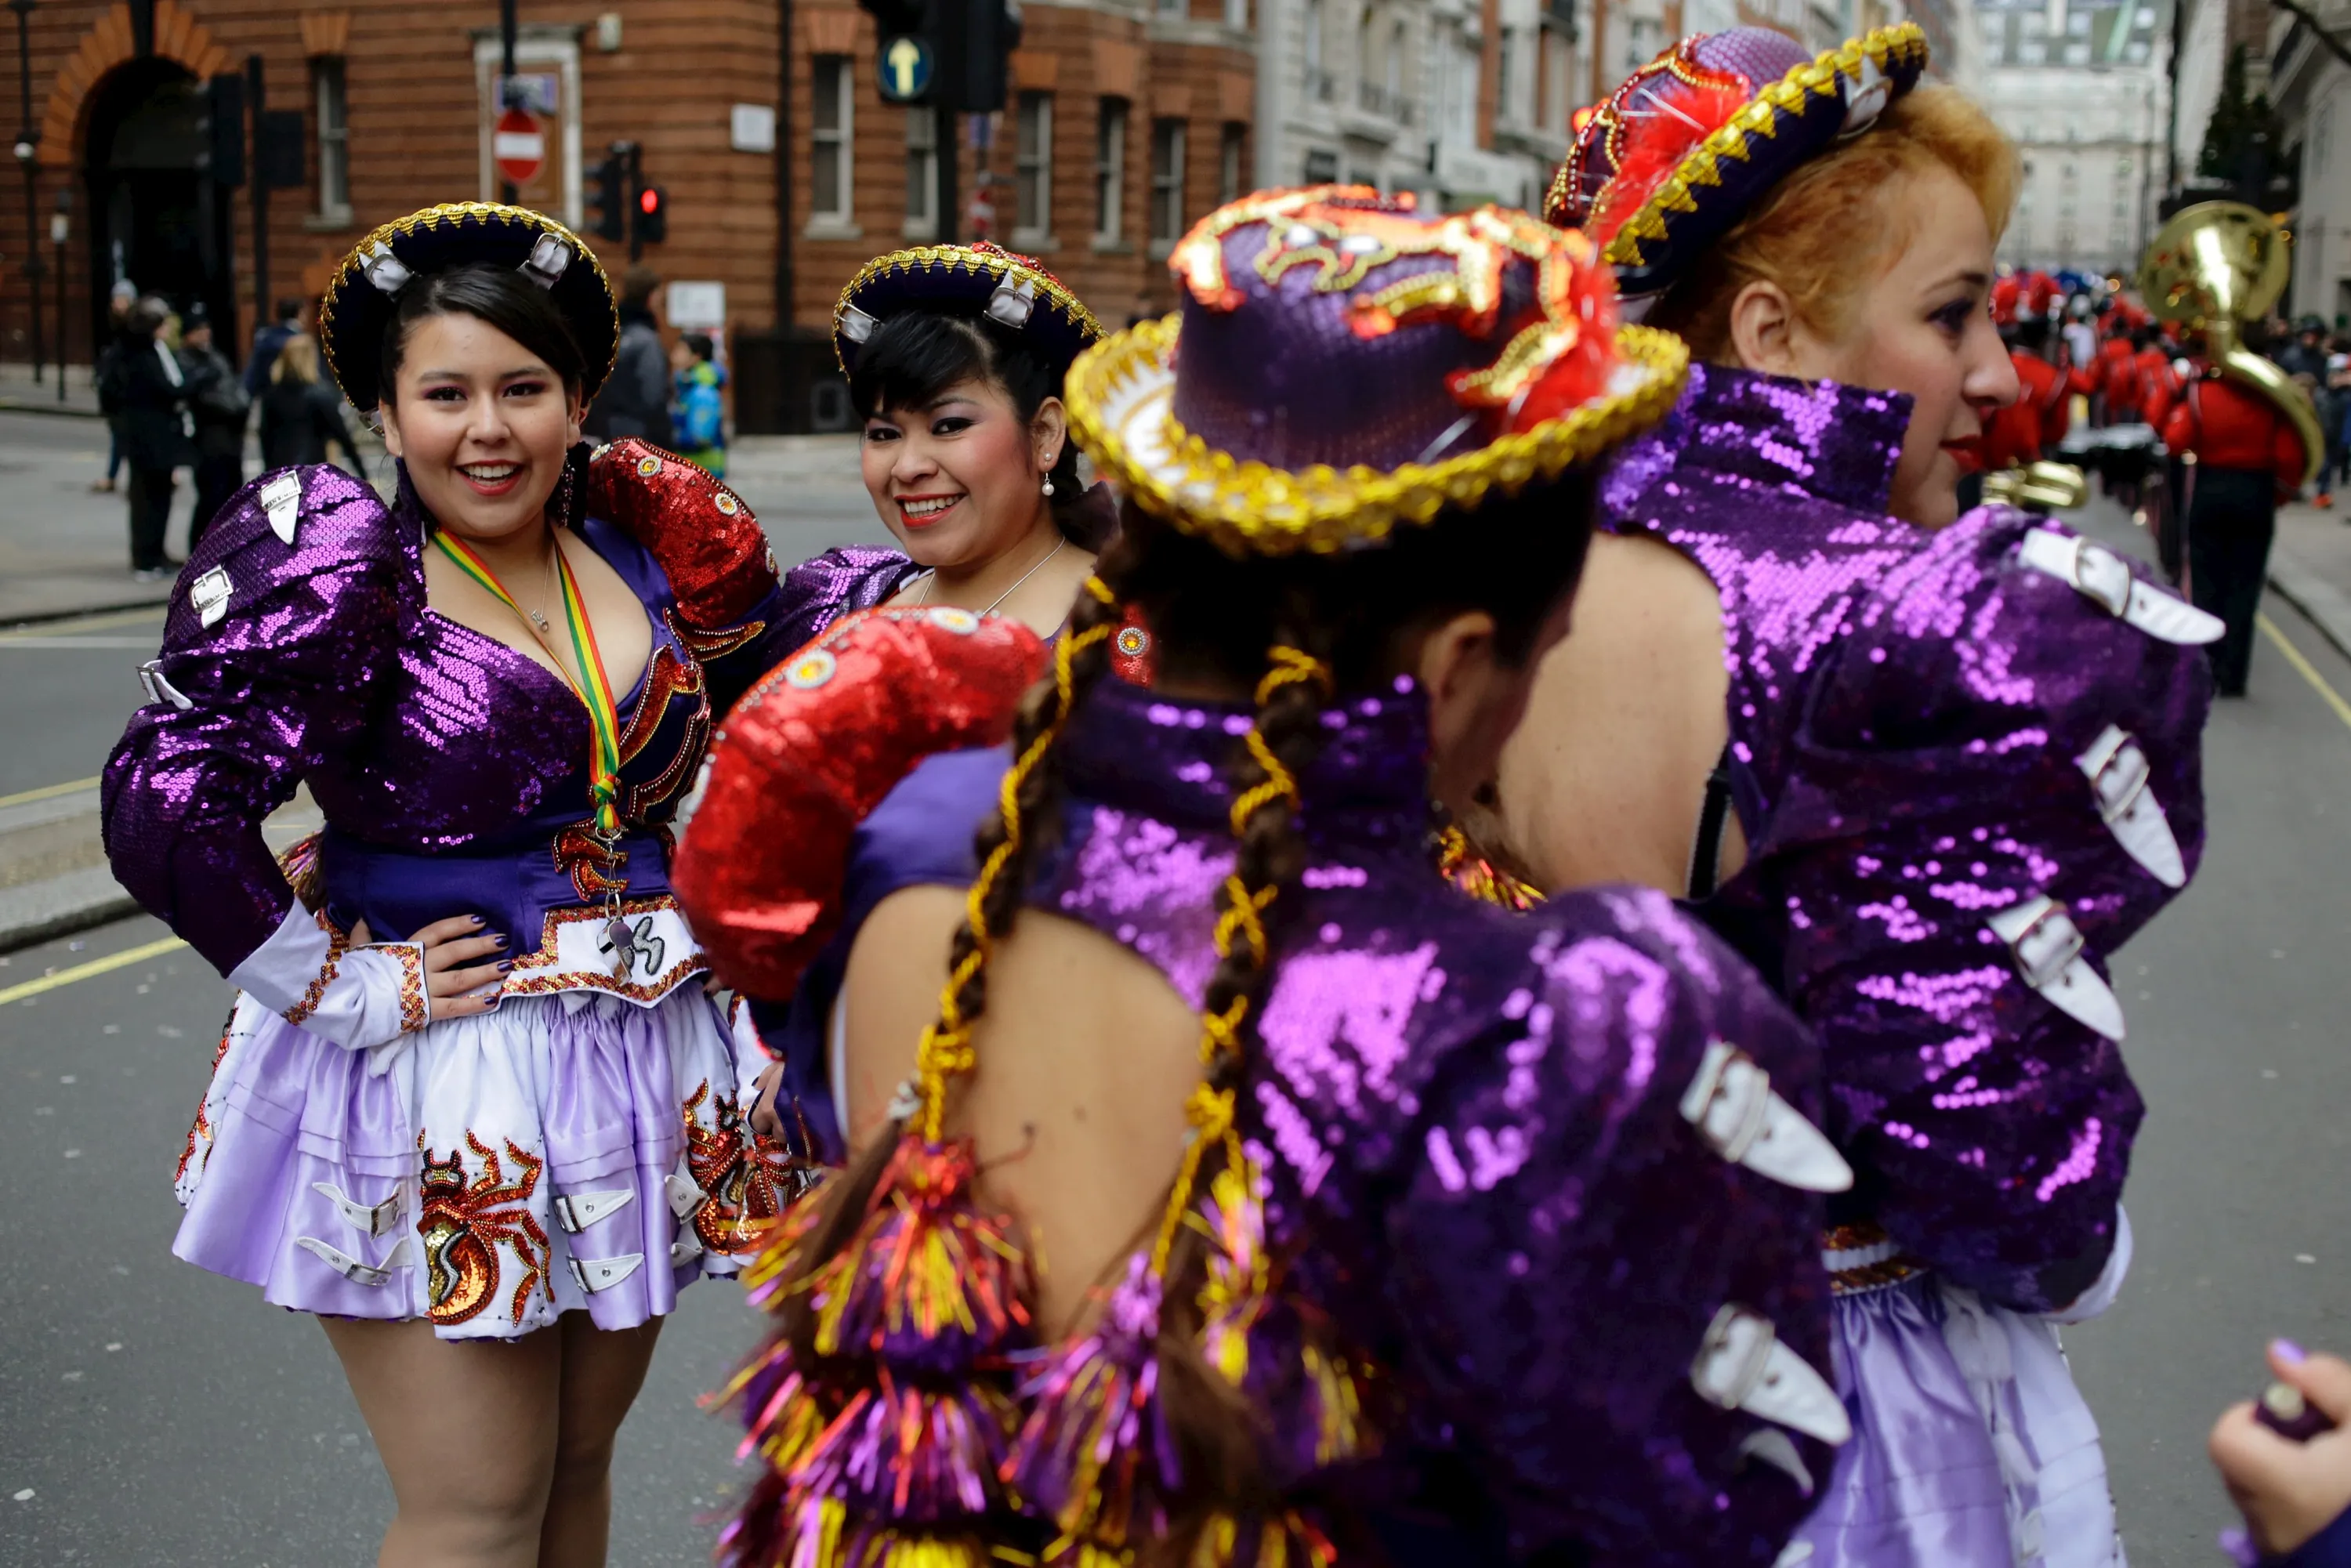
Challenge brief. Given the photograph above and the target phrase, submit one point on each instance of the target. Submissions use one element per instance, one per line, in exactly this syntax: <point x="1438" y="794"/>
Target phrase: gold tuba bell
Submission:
<point x="2215" y="264"/>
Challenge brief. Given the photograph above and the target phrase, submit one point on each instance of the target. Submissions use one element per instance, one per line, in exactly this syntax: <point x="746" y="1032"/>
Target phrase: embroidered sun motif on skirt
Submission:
<point x="462" y="1225"/>
<point x="747" y="1180"/>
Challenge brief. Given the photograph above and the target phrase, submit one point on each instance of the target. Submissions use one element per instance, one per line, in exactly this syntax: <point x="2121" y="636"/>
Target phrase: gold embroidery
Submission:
<point x="338" y="943"/>
<point x="462" y="1225"/>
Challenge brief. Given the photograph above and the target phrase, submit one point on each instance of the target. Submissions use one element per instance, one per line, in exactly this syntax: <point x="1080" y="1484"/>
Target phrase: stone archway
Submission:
<point x="108" y="45"/>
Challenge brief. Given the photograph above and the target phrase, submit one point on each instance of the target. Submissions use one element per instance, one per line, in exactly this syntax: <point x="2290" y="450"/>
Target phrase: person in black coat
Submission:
<point x="635" y="398"/>
<point x="218" y="403"/>
<point x="150" y="388"/>
<point x="301" y="415"/>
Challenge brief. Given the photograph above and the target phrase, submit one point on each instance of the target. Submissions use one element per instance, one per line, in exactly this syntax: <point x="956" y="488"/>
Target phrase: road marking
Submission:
<point x="21" y="640"/>
<point x="46" y="792"/>
<point x="96" y="966"/>
<point x="99" y="621"/>
<point x="2293" y="657"/>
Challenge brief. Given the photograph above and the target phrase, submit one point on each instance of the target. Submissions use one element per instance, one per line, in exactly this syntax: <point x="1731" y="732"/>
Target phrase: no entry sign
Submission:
<point x="519" y="145"/>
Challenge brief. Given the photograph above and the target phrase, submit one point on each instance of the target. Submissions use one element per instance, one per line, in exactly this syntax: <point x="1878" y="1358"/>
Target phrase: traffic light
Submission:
<point x="651" y="224"/>
<point x="972" y="39"/>
<point x="223" y="121"/>
<point x="608" y="193"/>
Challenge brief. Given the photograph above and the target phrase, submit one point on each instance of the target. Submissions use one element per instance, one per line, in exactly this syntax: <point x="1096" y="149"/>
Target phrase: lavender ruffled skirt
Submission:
<point x="1971" y="1447"/>
<point x="571" y="1151"/>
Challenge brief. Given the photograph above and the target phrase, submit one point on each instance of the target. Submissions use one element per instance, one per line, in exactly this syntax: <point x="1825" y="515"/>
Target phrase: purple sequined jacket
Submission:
<point x="1471" y="1123"/>
<point x="1967" y="762"/>
<point x="452" y="769"/>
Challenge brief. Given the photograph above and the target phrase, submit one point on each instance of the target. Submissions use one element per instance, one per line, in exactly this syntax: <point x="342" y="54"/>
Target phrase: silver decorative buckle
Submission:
<point x="1727" y="1078"/>
<point x="2060" y="941"/>
<point x="1733" y="1356"/>
<point x="547" y="260"/>
<point x="385" y="270"/>
<point x="856" y="325"/>
<point x="1013" y="303"/>
<point x="2120" y="773"/>
<point x="2102" y="577"/>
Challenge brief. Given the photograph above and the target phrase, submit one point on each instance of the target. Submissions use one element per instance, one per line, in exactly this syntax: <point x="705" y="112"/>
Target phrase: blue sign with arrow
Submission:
<point x="906" y="66"/>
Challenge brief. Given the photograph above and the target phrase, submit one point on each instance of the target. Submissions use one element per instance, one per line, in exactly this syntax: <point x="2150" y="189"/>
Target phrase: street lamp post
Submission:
<point x="60" y="224"/>
<point x="28" y="144"/>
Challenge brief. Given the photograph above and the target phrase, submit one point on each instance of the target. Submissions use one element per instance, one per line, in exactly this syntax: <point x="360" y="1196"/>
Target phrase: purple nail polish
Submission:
<point x="2283" y="1410"/>
<point x="2239" y="1547"/>
<point x="503" y="965"/>
<point x="2286" y="1351"/>
<point x="474" y="919"/>
<point x="501" y="939"/>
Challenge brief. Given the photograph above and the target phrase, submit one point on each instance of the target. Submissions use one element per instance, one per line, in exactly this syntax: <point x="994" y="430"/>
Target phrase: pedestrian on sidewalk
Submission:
<point x="301" y="415"/>
<point x="145" y="382"/>
<point x="698" y="417"/>
<point x="268" y="339"/>
<point x="636" y="402"/>
<point x="124" y="296"/>
<point x="221" y="408"/>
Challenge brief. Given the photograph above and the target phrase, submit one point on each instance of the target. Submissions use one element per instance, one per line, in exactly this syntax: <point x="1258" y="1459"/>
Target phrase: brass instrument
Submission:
<point x="2041" y="487"/>
<point x="2213" y="266"/>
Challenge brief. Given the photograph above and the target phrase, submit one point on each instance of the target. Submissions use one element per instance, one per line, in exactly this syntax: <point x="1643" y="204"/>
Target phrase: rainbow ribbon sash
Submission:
<point x="604" y="713"/>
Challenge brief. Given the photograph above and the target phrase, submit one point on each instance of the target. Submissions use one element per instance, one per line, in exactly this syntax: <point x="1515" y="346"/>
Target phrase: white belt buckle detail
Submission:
<point x="2047" y="947"/>
<point x="1743" y="1365"/>
<point x="2118" y="771"/>
<point x="1742" y="1118"/>
<point x="209" y="594"/>
<point x="2105" y="580"/>
<point x="575" y="1211"/>
<point x="376" y="1219"/>
<point x="684" y="1250"/>
<point x="350" y="1268"/>
<point x="159" y="687"/>
<point x="594" y="1274"/>
<point x="685" y="1198"/>
<point x="281" y="497"/>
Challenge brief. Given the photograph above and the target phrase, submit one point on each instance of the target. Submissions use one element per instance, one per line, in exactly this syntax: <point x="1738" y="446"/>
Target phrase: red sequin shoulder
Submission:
<point x="700" y="532"/>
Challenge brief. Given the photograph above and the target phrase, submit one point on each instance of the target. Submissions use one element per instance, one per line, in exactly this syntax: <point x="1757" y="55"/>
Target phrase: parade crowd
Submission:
<point x="1453" y="907"/>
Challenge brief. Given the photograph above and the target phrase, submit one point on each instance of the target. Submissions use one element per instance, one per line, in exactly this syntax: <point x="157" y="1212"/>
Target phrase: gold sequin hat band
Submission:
<point x="1342" y="363"/>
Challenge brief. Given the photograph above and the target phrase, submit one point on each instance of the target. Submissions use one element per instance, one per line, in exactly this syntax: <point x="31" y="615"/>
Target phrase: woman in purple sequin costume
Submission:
<point x="1935" y="768"/>
<point x="475" y="1107"/>
<point x="1465" y="1235"/>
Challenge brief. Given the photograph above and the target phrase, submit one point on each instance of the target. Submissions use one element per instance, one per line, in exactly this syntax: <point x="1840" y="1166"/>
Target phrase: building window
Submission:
<point x="1228" y="161"/>
<point x="1317" y="73"/>
<point x="922" y="171"/>
<point x="1166" y="181"/>
<point x="334" y="136"/>
<point x="830" y="142"/>
<point x="1237" y="14"/>
<point x="1321" y="168"/>
<point x="1504" y="67"/>
<point x="1110" y="169"/>
<point x="1177" y="9"/>
<point x="1032" y="167"/>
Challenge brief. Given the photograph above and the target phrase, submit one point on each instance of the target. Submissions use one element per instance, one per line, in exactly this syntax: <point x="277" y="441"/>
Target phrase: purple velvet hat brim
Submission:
<point x="959" y="280"/>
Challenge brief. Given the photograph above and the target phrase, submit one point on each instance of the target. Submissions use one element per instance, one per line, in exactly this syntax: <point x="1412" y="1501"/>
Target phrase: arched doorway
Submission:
<point x="155" y="217"/>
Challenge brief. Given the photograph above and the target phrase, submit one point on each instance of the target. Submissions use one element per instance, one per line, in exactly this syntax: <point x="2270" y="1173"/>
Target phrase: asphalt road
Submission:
<point x="151" y="1412"/>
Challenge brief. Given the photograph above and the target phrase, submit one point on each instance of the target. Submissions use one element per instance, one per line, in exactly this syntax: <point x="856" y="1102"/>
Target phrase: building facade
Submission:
<point x="784" y="168"/>
<point x="2311" y="92"/>
<point x="2082" y="86"/>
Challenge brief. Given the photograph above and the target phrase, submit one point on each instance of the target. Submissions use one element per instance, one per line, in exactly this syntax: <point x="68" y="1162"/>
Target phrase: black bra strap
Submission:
<point x="1706" y="849"/>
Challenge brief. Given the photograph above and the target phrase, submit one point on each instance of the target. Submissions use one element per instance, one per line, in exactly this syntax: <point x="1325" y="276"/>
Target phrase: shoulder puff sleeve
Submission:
<point x="826" y="587"/>
<point x="805" y="757"/>
<point x="1612" y="1312"/>
<point x="1997" y="781"/>
<point x="286" y="616"/>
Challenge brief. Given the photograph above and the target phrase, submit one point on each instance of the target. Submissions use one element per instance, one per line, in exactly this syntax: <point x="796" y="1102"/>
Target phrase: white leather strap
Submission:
<point x="281" y="498"/>
<point x="684" y="1196"/>
<point x="1794" y="1553"/>
<point x="594" y="1274"/>
<point x="159" y="687"/>
<point x="1743" y="1365"/>
<point x="1742" y="1118"/>
<point x="1771" y="1446"/>
<point x="575" y="1211"/>
<point x="2047" y="947"/>
<point x="350" y="1268"/>
<point x="685" y="1250"/>
<point x="2118" y="772"/>
<point x="2106" y="579"/>
<point x="367" y="1219"/>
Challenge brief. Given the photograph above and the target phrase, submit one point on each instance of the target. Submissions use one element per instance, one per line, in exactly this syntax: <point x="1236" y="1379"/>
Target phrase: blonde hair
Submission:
<point x="297" y="360"/>
<point x="1805" y="234"/>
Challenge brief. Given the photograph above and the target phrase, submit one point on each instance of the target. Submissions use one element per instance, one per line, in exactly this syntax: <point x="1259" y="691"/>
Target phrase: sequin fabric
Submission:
<point x="1467" y="1119"/>
<point x="824" y="588"/>
<point x="448" y="764"/>
<point x="1906" y="710"/>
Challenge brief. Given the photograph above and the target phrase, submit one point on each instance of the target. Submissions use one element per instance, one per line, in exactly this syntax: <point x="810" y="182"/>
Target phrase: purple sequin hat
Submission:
<point x="982" y="279"/>
<point x="1693" y="140"/>
<point x="1342" y="362"/>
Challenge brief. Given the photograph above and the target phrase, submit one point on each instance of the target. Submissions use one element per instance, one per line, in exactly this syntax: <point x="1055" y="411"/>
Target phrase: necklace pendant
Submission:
<point x="540" y="620"/>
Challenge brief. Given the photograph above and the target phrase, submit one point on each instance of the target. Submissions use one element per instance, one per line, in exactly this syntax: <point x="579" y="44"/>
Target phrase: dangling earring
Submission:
<point x="1049" y="484"/>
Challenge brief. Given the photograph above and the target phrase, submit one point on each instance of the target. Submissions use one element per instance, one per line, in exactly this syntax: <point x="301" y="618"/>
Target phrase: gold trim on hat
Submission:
<point x="1120" y="397"/>
<point x="1792" y="94"/>
<point x="1000" y="264"/>
<point x="354" y="270"/>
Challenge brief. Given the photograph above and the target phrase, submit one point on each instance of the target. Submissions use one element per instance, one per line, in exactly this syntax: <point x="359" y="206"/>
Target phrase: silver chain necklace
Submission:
<point x="931" y="579"/>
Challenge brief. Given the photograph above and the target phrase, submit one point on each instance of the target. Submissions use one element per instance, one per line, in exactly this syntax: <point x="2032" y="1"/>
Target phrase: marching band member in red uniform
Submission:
<point x="2246" y="455"/>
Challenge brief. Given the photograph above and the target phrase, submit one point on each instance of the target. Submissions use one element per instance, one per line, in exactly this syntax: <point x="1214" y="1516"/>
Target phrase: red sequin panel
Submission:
<point x="463" y="1223"/>
<point x="811" y="751"/>
<point x="703" y="536"/>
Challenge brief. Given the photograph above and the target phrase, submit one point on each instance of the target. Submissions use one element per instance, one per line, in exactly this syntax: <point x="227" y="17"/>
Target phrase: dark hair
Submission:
<point x="500" y="296"/>
<point x="637" y="285"/>
<point x="914" y="357"/>
<point x="1213" y="617"/>
<point x="698" y="344"/>
<point x="287" y="309"/>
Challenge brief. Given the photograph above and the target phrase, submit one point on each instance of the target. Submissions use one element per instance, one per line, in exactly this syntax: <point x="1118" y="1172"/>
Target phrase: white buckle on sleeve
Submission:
<point x="281" y="497"/>
<point x="367" y="1219"/>
<point x="209" y="594"/>
<point x="2118" y="771"/>
<point x="2047" y="947"/>
<point x="159" y="688"/>
<point x="1743" y="1365"/>
<point x="350" y="1268"/>
<point x="684" y="1250"/>
<point x="575" y="1211"/>
<point x="2105" y="578"/>
<point x="1742" y="1118"/>
<point x="684" y="1196"/>
<point x="1769" y="1446"/>
<point x="594" y="1274"/>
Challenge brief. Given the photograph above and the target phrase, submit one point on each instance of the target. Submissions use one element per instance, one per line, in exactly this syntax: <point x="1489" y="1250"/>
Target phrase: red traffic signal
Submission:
<point x="650" y="222"/>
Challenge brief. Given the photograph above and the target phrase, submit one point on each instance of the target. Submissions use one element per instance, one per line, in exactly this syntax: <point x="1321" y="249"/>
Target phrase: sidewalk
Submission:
<point x="2310" y="568"/>
<point x="20" y="392"/>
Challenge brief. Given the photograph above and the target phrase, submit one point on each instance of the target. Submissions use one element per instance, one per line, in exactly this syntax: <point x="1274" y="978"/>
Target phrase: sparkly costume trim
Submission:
<point x="416" y="1006"/>
<point x="978" y="262"/>
<point x="535" y="974"/>
<point x="1863" y="1258"/>
<point x="338" y="943"/>
<point x="462" y="1225"/>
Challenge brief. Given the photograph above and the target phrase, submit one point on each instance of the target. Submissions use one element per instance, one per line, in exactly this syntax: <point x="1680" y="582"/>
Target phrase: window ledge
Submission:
<point x="1161" y="249"/>
<point x="921" y="230"/>
<point x="1105" y="245"/>
<point x="334" y="221"/>
<point x="831" y="228"/>
<point x="1033" y="243"/>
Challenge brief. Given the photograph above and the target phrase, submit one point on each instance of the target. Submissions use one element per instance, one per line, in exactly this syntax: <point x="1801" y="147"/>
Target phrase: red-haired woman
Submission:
<point x="1926" y="769"/>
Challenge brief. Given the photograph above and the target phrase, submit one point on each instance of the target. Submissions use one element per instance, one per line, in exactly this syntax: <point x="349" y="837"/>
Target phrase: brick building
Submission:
<point x="1128" y="119"/>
